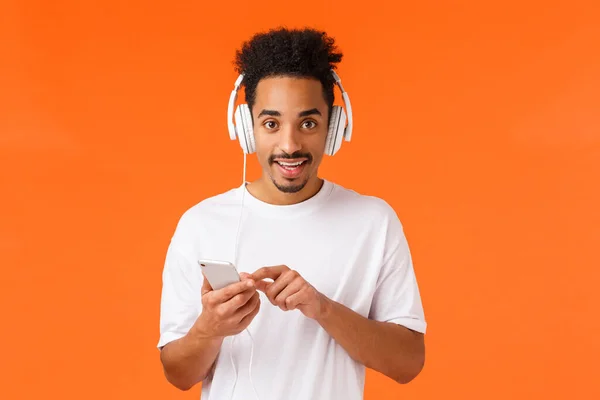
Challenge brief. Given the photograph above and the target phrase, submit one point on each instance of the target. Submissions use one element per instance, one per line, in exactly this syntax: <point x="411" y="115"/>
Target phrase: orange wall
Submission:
<point x="480" y="124"/>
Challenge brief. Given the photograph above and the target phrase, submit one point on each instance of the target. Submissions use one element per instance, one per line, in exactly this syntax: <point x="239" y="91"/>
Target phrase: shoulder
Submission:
<point x="365" y="205"/>
<point x="205" y="210"/>
<point x="373" y="216"/>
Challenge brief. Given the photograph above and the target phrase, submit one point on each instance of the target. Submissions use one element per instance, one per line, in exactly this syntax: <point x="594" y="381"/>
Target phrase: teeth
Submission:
<point x="290" y="164"/>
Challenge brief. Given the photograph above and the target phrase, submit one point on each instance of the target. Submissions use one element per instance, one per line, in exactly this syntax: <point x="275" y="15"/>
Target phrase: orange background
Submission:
<point x="479" y="123"/>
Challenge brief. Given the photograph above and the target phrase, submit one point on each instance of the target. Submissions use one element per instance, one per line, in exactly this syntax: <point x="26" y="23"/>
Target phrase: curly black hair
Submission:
<point x="288" y="52"/>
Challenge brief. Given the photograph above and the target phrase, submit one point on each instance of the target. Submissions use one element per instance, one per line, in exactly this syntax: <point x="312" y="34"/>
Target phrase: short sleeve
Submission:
<point x="181" y="302"/>
<point x="397" y="298"/>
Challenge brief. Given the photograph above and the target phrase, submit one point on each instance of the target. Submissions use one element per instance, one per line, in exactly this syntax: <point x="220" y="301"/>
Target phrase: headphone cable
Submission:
<point x="235" y="263"/>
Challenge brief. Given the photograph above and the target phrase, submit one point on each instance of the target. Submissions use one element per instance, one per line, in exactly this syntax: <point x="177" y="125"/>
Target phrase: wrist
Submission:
<point x="325" y="308"/>
<point x="200" y="332"/>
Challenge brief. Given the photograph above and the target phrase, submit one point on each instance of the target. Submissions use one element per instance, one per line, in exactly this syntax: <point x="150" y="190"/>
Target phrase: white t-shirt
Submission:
<point x="349" y="246"/>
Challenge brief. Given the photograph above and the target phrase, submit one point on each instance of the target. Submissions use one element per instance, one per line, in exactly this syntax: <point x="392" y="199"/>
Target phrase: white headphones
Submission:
<point x="242" y="130"/>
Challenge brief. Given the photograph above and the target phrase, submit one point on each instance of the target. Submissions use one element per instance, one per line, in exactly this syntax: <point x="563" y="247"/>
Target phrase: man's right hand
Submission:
<point x="227" y="311"/>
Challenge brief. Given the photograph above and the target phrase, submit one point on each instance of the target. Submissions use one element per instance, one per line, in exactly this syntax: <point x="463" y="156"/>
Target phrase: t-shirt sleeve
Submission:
<point x="181" y="302"/>
<point x="397" y="298"/>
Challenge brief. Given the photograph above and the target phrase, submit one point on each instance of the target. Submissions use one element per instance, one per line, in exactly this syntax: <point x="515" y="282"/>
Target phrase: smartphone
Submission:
<point x="219" y="273"/>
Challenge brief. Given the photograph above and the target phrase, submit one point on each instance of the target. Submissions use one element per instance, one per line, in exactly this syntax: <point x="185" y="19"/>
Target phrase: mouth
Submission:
<point x="290" y="168"/>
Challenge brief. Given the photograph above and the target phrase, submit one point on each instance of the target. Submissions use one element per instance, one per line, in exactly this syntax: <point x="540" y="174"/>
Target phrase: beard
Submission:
<point x="290" y="187"/>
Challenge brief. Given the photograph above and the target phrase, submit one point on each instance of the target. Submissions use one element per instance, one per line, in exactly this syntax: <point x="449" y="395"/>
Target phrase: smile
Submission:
<point x="290" y="165"/>
<point x="290" y="169"/>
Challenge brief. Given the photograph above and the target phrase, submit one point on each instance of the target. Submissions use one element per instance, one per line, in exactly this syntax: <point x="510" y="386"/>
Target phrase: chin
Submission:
<point x="289" y="186"/>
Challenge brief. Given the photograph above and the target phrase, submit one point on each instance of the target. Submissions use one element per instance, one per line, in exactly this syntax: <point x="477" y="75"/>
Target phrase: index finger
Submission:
<point x="269" y="272"/>
<point x="205" y="286"/>
<point x="224" y="294"/>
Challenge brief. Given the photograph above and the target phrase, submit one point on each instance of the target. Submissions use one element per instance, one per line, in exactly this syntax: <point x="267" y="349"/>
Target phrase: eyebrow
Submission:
<point x="306" y="113"/>
<point x="274" y="113"/>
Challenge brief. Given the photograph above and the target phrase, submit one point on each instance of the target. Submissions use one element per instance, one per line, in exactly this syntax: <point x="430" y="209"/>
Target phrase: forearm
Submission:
<point x="188" y="360"/>
<point x="390" y="349"/>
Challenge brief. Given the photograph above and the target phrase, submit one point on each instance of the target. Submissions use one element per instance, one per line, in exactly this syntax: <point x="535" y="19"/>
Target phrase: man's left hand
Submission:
<point x="290" y="291"/>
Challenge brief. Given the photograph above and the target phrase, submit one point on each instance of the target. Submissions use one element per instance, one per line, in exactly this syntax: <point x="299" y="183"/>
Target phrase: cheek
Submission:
<point x="317" y="147"/>
<point x="263" y="148"/>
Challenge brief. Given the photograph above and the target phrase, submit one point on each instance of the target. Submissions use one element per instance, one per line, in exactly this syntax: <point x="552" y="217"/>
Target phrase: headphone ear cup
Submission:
<point x="335" y="134"/>
<point x="243" y="122"/>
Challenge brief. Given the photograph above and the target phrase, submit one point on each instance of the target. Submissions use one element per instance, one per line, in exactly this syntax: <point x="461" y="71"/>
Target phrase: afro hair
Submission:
<point x="306" y="53"/>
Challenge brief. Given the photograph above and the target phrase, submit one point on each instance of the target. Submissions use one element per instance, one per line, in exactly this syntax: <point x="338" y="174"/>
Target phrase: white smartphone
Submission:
<point x="219" y="273"/>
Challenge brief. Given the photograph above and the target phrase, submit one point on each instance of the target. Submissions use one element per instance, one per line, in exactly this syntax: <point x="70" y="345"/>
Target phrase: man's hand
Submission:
<point x="229" y="310"/>
<point x="389" y="348"/>
<point x="289" y="291"/>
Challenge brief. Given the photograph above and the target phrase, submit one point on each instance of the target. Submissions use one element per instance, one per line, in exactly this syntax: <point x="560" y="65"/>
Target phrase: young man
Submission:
<point x="328" y="283"/>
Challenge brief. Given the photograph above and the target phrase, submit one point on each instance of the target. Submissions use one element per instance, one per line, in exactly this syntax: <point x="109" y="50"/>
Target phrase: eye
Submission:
<point x="270" y="124"/>
<point x="311" y="124"/>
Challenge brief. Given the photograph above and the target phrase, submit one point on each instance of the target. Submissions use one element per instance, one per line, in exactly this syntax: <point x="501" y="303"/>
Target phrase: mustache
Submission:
<point x="284" y="156"/>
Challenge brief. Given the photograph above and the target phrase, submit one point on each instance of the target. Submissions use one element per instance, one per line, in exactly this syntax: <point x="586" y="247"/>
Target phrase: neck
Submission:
<point x="264" y="190"/>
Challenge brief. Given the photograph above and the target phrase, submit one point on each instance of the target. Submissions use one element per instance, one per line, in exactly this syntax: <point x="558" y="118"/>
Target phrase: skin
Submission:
<point x="290" y="122"/>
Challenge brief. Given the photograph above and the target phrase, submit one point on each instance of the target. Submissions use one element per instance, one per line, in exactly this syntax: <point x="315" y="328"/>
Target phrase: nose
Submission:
<point x="289" y="139"/>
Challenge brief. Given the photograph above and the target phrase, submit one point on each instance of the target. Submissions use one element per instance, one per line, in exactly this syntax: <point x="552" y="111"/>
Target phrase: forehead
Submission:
<point x="278" y="93"/>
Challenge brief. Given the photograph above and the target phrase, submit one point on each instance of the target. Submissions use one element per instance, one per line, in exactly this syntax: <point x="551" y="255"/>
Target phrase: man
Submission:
<point x="328" y="284"/>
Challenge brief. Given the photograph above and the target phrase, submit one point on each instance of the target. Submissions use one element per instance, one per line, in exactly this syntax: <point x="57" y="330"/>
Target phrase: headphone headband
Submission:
<point x="232" y="99"/>
<point x="346" y="98"/>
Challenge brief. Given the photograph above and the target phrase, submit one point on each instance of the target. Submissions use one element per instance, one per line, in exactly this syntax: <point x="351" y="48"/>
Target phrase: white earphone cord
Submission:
<point x="235" y="263"/>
